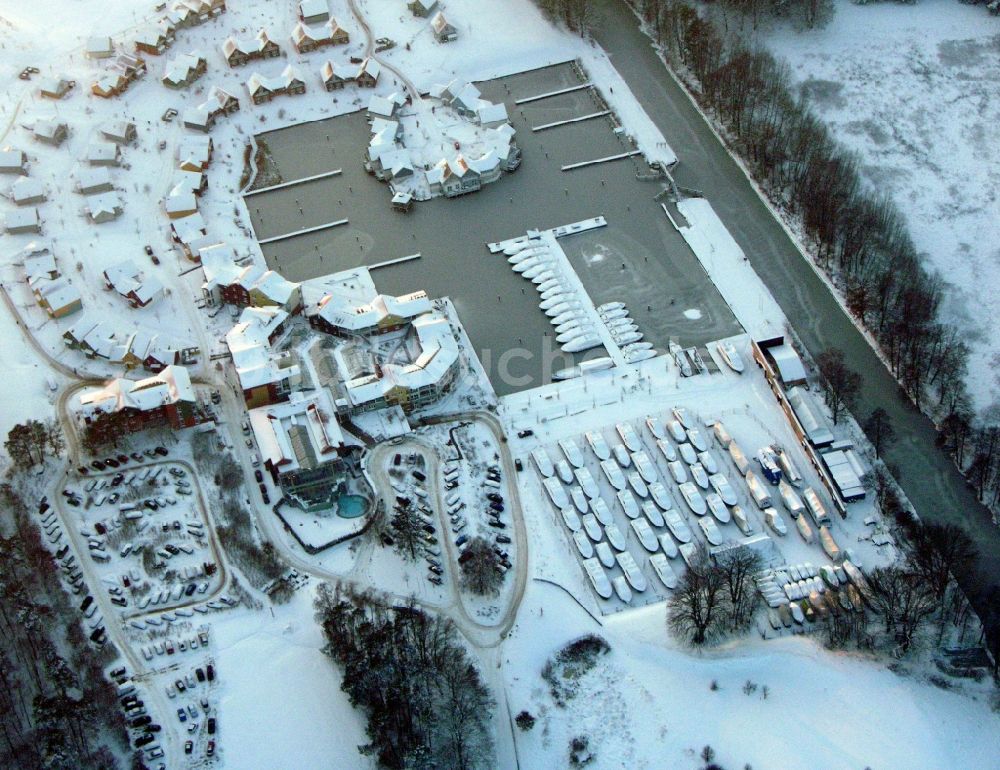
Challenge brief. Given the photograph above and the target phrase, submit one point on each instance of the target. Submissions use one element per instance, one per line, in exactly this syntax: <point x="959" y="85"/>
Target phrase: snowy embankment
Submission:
<point x="912" y="90"/>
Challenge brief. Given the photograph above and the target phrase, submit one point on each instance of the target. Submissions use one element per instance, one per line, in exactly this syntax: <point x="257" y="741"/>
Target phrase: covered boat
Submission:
<point x="663" y="570"/>
<point x="693" y="498"/>
<point x="652" y="514"/>
<point x="645" y="534"/>
<point x="598" y="578"/>
<point x="628" y="503"/>
<point x="718" y="508"/>
<point x="598" y="445"/>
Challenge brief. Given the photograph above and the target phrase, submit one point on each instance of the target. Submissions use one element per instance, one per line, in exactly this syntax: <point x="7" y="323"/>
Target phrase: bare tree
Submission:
<point x="738" y="567"/>
<point x="879" y="429"/>
<point x="840" y="384"/>
<point x="939" y="552"/>
<point x="903" y="599"/>
<point x="696" y="609"/>
<point x="408" y="532"/>
<point x="479" y="568"/>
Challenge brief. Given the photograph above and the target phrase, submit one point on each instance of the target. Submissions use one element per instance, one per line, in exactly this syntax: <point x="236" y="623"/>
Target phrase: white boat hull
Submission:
<point x="582" y="343"/>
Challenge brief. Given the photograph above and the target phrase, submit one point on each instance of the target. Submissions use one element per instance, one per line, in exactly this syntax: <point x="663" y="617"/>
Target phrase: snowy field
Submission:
<point x="912" y="90"/>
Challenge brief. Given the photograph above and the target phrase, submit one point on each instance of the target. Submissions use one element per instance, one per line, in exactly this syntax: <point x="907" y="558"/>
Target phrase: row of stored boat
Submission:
<point x="535" y="261"/>
<point x="625" y="332"/>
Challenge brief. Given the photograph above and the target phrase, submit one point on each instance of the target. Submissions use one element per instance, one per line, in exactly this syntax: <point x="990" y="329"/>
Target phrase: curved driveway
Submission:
<point x="928" y="476"/>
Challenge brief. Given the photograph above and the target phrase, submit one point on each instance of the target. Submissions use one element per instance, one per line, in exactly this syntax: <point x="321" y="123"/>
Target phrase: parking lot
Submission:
<point x="638" y="259"/>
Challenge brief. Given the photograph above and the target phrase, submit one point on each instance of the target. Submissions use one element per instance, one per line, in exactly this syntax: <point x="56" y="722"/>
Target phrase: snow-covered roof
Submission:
<point x="123" y="276"/>
<point x="170" y="386"/>
<point x="58" y="294"/>
<point x="26" y="189"/>
<point x="790" y="367"/>
<point x="309" y="9"/>
<point x="104" y="205"/>
<point x="254" y="361"/>
<point x="93" y="178"/>
<point x="488" y="113"/>
<point x="22" y="218"/>
<point x="103" y="152"/>
<point x="301" y="433"/>
<point x="288" y="75"/>
<point x="253" y="46"/>
<point x="182" y="67"/>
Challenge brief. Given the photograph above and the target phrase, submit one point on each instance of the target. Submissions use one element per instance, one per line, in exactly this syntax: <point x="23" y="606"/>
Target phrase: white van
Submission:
<point x="254" y="459"/>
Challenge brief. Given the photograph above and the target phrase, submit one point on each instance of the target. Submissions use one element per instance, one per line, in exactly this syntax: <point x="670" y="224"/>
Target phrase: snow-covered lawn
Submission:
<point x="912" y="89"/>
<point x="650" y="705"/>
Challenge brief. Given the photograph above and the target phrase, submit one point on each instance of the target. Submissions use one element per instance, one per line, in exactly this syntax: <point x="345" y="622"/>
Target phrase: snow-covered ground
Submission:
<point x="650" y="705"/>
<point x="912" y="90"/>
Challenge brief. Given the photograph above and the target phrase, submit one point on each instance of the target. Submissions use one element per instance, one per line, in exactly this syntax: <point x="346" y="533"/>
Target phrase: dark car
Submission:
<point x="429" y="529"/>
<point x="419" y="476"/>
<point x="182" y="715"/>
<point x="97" y="465"/>
<point x="525" y="433"/>
<point x="436" y="570"/>
<point x="498" y="507"/>
<point x="172" y="549"/>
<point x="211" y="725"/>
<point x="161" y="451"/>
<point x="136" y="456"/>
<point x="188" y="747"/>
<point x="200" y="674"/>
<point x="123" y="459"/>
<point x="494" y="497"/>
<point x="502" y="538"/>
<point x="145" y="719"/>
<point x="518" y="465"/>
<point x="190" y="589"/>
<point x="258" y="476"/>
<point x="143" y="740"/>
<point x="148" y="249"/>
<point x="266" y="498"/>
<point x="496" y="523"/>
<point x="210" y="672"/>
<point x="83" y="470"/>
<point x="210" y="749"/>
<point x="262" y="488"/>
<point x="387" y="539"/>
<point x="74" y="501"/>
<point x="151" y="504"/>
<point x="111" y="462"/>
<point x="397" y="459"/>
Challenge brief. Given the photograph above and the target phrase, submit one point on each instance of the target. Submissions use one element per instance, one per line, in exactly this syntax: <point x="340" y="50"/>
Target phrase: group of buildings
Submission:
<point x="458" y="111"/>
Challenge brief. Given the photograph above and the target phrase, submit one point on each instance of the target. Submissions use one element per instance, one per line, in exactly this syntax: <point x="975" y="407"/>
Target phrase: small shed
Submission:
<point x="789" y="365"/>
<point x="444" y="32"/>
<point x="56" y="87"/>
<point x="99" y="47"/>
<point x="27" y="192"/>
<point x="119" y="131"/>
<point x="13" y="161"/>
<point x="24" y="220"/>
<point x="314" y="11"/>
<point x="422" y="8"/>
<point x="402" y="201"/>
<point x="52" y="132"/>
<point x="104" y="207"/>
<point x="91" y="181"/>
<point x="104" y="154"/>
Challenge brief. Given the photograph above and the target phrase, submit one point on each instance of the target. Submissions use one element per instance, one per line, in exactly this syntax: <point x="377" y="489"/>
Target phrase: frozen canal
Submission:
<point x="638" y="259"/>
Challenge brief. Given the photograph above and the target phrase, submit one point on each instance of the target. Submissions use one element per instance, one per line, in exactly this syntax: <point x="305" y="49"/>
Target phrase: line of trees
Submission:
<point x="56" y="708"/>
<point x="32" y="442"/>
<point x="577" y="15"/>
<point x="425" y="700"/>
<point x="857" y="234"/>
<point x="715" y="596"/>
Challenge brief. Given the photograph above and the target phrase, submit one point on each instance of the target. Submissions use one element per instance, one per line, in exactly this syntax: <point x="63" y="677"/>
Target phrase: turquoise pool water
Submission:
<point x="351" y="506"/>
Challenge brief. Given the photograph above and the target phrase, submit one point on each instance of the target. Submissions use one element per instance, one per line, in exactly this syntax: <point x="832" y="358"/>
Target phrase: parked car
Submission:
<point x="161" y="451"/>
<point x="211" y="725"/>
<point x="188" y="747"/>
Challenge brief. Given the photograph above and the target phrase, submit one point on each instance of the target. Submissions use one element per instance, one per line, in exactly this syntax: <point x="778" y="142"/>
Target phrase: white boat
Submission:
<point x="684" y="416"/>
<point x="797" y="615"/>
<point x="615" y="536"/>
<point x="562" y="307"/>
<point x="579" y="499"/>
<point x="628" y="503"/>
<point x="610" y="306"/>
<point x="574" y="323"/>
<point x="596" y="364"/>
<point x="707" y="460"/>
<point x="725" y="490"/>
<point x="571" y="519"/>
<point x="569" y="315"/>
<point x="565" y="472"/>
<point x="636" y="346"/>
<point x="632" y="572"/>
<point x="740" y="517"/>
<point x="693" y="498"/>
<point x="621" y="589"/>
<point x="645" y="467"/>
<point x="556" y="492"/>
<point x="572" y="452"/>
<point x="652" y="514"/>
<point x="552" y="301"/>
<point x="718" y="508"/>
<point x="622" y="456"/>
<point x="598" y="445"/>
<point x="791" y="499"/>
<point x="542" y="277"/>
<point x="524" y="254"/>
<point x="598" y="578"/>
<point x="677" y="431"/>
<point x="614" y="474"/>
<point x="712" y="534"/>
<point x="592" y="527"/>
<point x="656" y="427"/>
<point x="699" y="475"/>
<point x="660" y="496"/>
<point x="526" y="264"/>
<point x="539" y="268"/>
<point x="550" y="285"/>
<point x="773" y="519"/>
<point x="678" y="527"/>
<point x="572" y="334"/>
<point x="613" y="323"/>
<point x="583" y="545"/>
<point x="645" y="535"/>
<point x="731" y="356"/>
<point x="627" y="337"/>
<point x="667" y="450"/>
<point x="567" y="374"/>
<point x="638" y="485"/>
<point x="587" y="483"/>
<point x="609" y="315"/>
<point x="580" y="344"/>
<point x="688" y="453"/>
<point x="526" y="244"/>
<point x="697" y="439"/>
<point x="542" y="462"/>
<point x="681" y="359"/>
<point x="722" y="435"/>
<point x="635" y="356"/>
<point x="789" y="469"/>
<point x="553" y="291"/>
<point x="601" y="511"/>
<point x="667" y="545"/>
<point x="629" y="437"/>
<point x="678" y="470"/>
<point x="663" y="570"/>
<point x="605" y="554"/>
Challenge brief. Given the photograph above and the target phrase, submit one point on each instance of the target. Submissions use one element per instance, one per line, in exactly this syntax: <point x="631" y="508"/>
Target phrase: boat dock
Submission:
<point x="283" y="185"/>
<point x="304" y="231"/>
<point x="595" y="161"/>
<point x="571" y="89"/>
<point x="571" y="229"/>
<point x="556" y="124"/>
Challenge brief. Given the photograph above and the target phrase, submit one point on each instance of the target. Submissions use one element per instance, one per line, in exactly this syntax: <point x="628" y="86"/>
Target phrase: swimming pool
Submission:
<point x="351" y="506"/>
